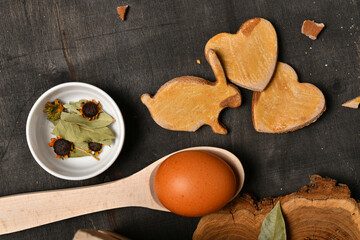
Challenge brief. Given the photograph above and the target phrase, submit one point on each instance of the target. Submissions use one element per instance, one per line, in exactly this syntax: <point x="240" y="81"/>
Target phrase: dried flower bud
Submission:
<point x="96" y="147"/>
<point x="90" y="109"/>
<point x="62" y="147"/>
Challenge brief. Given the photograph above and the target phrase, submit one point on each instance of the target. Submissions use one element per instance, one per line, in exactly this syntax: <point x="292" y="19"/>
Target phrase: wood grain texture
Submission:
<point x="28" y="210"/>
<point x="158" y="41"/>
<point x="321" y="210"/>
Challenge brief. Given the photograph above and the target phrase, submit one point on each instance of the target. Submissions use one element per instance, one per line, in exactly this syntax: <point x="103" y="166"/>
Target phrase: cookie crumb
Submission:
<point x="198" y="61"/>
<point x="353" y="103"/>
<point x="311" y="29"/>
<point x="122" y="11"/>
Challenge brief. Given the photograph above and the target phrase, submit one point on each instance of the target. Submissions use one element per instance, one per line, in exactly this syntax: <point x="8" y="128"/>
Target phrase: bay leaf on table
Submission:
<point x="77" y="133"/>
<point x="273" y="227"/>
<point x="102" y="120"/>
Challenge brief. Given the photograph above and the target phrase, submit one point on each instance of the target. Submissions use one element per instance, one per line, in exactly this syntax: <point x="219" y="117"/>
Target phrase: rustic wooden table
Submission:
<point x="45" y="43"/>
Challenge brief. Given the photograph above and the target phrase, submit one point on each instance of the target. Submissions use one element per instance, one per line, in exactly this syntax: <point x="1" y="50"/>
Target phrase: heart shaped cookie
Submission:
<point x="186" y="103"/>
<point x="286" y="105"/>
<point x="249" y="57"/>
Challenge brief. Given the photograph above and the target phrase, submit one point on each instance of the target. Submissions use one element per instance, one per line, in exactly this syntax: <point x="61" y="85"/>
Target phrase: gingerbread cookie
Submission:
<point x="249" y="57"/>
<point x="286" y="105"/>
<point x="186" y="103"/>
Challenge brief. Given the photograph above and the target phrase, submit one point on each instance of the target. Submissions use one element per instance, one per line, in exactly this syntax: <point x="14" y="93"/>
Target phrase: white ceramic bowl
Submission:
<point x="38" y="133"/>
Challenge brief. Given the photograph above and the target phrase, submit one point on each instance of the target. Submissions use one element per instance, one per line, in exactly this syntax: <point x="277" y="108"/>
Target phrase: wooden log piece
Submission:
<point x="321" y="210"/>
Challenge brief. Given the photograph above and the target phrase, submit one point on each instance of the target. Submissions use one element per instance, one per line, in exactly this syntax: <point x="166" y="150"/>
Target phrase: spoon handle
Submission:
<point x="23" y="211"/>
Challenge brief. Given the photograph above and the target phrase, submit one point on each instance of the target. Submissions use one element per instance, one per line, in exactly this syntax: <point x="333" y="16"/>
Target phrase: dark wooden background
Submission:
<point x="45" y="43"/>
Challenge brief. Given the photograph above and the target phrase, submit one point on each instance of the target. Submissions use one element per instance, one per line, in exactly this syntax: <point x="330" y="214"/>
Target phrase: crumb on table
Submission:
<point x="122" y="11"/>
<point x="311" y="29"/>
<point x="353" y="103"/>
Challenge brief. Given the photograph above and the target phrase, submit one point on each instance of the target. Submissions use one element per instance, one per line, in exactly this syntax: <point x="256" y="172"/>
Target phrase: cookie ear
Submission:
<point x="216" y="66"/>
<point x="146" y="99"/>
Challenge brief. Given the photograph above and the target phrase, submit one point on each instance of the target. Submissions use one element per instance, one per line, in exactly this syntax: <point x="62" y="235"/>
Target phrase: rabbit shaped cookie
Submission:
<point x="186" y="103"/>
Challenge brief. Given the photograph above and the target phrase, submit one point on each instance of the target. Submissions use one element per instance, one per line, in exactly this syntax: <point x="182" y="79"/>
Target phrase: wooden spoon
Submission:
<point x="23" y="211"/>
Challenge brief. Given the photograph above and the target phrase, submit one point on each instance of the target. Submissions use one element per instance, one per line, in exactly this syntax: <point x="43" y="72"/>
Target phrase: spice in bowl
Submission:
<point x="81" y="128"/>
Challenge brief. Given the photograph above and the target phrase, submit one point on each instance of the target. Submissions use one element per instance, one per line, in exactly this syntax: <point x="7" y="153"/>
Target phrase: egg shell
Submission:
<point x="194" y="183"/>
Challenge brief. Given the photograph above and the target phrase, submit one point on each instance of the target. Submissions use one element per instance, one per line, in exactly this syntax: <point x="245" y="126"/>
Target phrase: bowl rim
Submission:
<point x="119" y="121"/>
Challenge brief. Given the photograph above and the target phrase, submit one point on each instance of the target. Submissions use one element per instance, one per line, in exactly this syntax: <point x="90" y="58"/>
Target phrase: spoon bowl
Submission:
<point x="23" y="211"/>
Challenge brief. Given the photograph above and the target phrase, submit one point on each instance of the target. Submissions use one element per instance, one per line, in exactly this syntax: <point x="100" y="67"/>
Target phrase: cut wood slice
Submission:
<point x="286" y="105"/>
<point x="249" y="57"/>
<point x="321" y="210"/>
<point x="186" y="103"/>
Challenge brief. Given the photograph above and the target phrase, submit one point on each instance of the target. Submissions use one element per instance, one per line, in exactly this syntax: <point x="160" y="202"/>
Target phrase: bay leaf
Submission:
<point x="77" y="133"/>
<point x="74" y="127"/>
<point x="97" y="135"/>
<point x="80" y="150"/>
<point x="67" y="131"/>
<point x="54" y="122"/>
<point x="78" y="153"/>
<point x="107" y="142"/>
<point x="273" y="227"/>
<point x="102" y="120"/>
<point x="74" y="106"/>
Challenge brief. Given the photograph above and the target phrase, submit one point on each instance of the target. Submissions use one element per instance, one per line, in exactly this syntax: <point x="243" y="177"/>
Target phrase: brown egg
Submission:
<point x="194" y="183"/>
